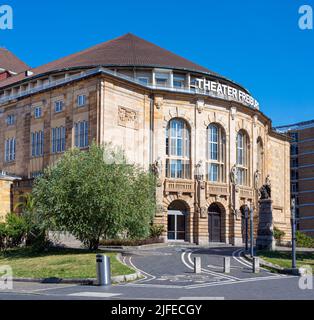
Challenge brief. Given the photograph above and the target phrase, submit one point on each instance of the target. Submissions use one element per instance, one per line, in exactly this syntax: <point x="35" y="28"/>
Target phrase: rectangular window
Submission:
<point x="81" y="134"/>
<point x="178" y="81"/>
<point x="161" y="79"/>
<point x="58" y="140"/>
<point x="213" y="172"/>
<point x="37" y="112"/>
<point x="81" y="100"/>
<point x="10" y="120"/>
<point x="37" y="144"/>
<point x="58" y="106"/>
<point x="143" y="80"/>
<point x="9" y="152"/>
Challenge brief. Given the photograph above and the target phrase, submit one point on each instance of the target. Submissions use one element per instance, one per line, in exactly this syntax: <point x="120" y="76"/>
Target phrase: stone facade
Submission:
<point x="136" y="118"/>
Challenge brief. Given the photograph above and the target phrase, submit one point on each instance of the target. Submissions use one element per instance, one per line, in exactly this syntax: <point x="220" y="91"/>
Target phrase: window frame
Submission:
<point x="243" y="158"/>
<point x="178" y="149"/>
<point x="215" y="145"/>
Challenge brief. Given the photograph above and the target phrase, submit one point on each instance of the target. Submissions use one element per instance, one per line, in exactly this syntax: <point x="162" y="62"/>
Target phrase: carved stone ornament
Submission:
<point x="200" y="105"/>
<point x="203" y="212"/>
<point x="159" y="210"/>
<point x="159" y="102"/>
<point x="127" y="118"/>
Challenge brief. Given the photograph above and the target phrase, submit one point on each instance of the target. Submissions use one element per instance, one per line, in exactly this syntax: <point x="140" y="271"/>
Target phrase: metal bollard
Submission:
<point x="226" y="264"/>
<point x="256" y="267"/>
<point x="197" y="265"/>
<point x="103" y="270"/>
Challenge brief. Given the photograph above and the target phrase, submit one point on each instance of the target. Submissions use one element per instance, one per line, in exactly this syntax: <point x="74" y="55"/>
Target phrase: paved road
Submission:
<point x="168" y="274"/>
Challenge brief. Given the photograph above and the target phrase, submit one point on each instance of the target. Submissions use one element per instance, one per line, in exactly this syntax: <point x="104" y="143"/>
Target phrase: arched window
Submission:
<point x="215" y="153"/>
<point x="243" y="158"/>
<point x="178" y="162"/>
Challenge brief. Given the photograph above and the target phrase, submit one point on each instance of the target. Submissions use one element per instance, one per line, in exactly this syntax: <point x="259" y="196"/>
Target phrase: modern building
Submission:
<point x="302" y="172"/>
<point x="210" y="145"/>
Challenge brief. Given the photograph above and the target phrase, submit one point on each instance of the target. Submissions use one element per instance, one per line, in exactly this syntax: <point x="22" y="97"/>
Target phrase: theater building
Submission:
<point x="302" y="172"/>
<point x="203" y="134"/>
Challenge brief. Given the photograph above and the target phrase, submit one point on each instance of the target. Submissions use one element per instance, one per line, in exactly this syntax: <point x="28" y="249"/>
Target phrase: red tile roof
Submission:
<point x="10" y="62"/>
<point x="128" y="50"/>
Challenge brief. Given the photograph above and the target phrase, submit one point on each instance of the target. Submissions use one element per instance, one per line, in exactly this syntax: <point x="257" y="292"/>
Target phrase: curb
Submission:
<point x="276" y="268"/>
<point x="85" y="282"/>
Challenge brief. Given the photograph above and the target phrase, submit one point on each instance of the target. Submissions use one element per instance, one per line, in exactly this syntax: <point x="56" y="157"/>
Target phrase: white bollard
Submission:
<point x="197" y="265"/>
<point x="226" y="264"/>
<point x="256" y="266"/>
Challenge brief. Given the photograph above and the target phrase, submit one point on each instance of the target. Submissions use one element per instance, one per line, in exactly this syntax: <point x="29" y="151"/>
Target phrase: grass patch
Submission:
<point x="58" y="263"/>
<point x="283" y="258"/>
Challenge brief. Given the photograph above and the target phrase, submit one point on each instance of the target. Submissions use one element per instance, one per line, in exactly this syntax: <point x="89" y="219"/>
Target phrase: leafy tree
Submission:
<point x="96" y="194"/>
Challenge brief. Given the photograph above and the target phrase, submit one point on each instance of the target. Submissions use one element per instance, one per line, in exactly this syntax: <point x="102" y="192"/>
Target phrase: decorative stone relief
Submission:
<point x="203" y="212"/>
<point x="127" y="118"/>
<point x="200" y="105"/>
<point x="159" y="210"/>
<point x="159" y="101"/>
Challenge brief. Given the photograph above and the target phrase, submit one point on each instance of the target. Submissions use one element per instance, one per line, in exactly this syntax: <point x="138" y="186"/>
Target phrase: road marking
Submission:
<point x="147" y="276"/>
<point x="201" y="298"/>
<point x="213" y="273"/>
<point x="95" y="294"/>
<point x="221" y="283"/>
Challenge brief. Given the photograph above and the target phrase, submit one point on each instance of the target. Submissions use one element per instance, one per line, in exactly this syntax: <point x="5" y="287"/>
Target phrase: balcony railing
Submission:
<point x="217" y="189"/>
<point x="185" y="186"/>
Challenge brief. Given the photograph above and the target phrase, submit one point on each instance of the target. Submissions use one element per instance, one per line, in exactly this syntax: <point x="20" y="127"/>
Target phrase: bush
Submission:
<point x="16" y="229"/>
<point x="304" y="241"/>
<point x="278" y="235"/>
<point x="3" y="235"/>
<point x="129" y="242"/>
<point x="156" y="231"/>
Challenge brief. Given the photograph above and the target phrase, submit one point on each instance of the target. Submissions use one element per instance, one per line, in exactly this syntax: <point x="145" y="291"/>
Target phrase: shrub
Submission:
<point x="156" y="231"/>
<point x="304" y="241"/>
<point x="16" y="229"/>
<point x="278" y="235"/>
<point x="3" y="234"/>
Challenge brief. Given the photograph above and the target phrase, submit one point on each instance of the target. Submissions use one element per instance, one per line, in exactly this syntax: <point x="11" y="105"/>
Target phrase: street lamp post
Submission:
<point x="252" y="230"/>
<point x="246" y="213"/>
<point x="293" y="229"/>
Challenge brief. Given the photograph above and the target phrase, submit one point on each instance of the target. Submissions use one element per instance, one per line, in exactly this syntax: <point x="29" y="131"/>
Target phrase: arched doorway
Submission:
<point x="177" y="221"/>
<point x="214" y="223"/>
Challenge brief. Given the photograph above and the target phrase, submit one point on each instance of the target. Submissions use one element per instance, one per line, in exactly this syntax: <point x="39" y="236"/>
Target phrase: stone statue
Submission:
<point x="256" y="179"/>
<point x="234" y="175"/>
<point x="265" y="190"/>
<point x="199" y="170"/>
<point x="157" y="168"/>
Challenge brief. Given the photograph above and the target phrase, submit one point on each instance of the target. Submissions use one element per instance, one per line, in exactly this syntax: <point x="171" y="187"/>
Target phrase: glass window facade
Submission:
<point x="58" y="140"/>
<point x="37" y="144"/>
<point x="81" y="134"/>
<point x="10" y="150"/>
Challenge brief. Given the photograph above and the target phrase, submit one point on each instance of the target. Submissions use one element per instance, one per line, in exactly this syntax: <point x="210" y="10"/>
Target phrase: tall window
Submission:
<point x="178" y="152"/>
<point x="81" y="134"/>
<point x="58" y="140"/>
<point x="243" y="158"/>
<point x="37" y="141"/>
<point x="10" y="148"/>
<point x="215" y="153"/>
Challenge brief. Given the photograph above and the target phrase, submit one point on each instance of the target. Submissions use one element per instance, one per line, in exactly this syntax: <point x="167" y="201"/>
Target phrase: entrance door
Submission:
<point x="176" y="225"/>
<point x="214" y="223"/>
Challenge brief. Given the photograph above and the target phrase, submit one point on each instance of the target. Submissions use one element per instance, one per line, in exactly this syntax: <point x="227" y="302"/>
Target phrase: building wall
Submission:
<point x="136" y="119"/>
<point x="5" y="197"/>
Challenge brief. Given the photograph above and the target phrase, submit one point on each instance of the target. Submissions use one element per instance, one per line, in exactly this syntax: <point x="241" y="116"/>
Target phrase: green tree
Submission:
<point x="96" y="194"/>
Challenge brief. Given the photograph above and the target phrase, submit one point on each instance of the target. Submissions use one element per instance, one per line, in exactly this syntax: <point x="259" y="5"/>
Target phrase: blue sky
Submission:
<point x="256" y="43"/>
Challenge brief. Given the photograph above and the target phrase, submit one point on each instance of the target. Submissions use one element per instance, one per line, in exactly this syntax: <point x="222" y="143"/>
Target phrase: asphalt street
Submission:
<point x="168" y="273"/>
